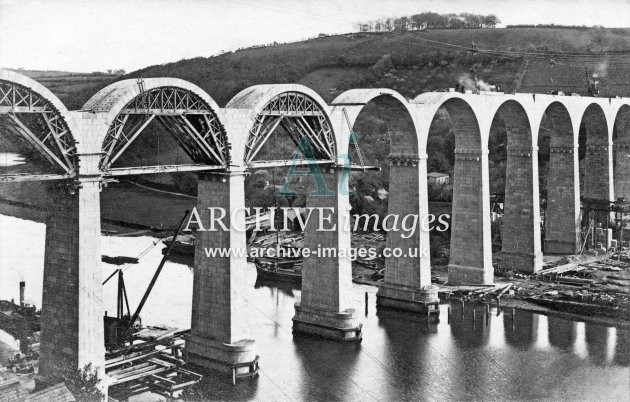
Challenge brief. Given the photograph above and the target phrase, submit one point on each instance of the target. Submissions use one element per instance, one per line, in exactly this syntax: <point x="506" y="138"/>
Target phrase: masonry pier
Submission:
<point x="326" y="307"/>
<point x="407" y="283"/>
<point x="219" y="337"/>
<point x="72" y="302"/>
<point x="81" y="150"/>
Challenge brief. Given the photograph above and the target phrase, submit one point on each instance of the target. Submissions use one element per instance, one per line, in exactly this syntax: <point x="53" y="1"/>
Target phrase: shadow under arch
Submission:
<point x="470" y="243"/>
<point x="404" y="177"/>
<point x="595" y="154"/>
<point x="558" y="162"/>
<point x="621" y="153"/>
<point x="520" y="232"/>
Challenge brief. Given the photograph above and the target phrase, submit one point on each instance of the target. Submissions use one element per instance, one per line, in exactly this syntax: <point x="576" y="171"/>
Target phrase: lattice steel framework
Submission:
<point x="32" y="119"/>
<point x="301" y="117"/>
<point x="191" y="122"/>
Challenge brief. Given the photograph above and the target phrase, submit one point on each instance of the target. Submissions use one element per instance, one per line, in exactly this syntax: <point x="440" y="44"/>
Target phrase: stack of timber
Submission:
<point x="475" y="293"/>
<point x="152" y="362"/>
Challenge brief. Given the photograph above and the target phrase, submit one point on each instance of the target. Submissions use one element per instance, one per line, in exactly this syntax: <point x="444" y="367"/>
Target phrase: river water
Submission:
<point x="507" y="355"/>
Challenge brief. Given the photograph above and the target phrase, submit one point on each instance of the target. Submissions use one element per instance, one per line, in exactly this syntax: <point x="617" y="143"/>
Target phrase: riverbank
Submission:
<point x="600" y="299"/>
<point x="593" y="288"/>
<point x="527" y="305"/>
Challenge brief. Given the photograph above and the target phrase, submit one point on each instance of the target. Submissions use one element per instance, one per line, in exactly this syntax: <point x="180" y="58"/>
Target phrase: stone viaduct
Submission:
<point x="82" y="148"/>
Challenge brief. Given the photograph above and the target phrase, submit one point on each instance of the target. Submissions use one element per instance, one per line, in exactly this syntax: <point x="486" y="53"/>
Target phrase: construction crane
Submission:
<point x="119" y="329"/>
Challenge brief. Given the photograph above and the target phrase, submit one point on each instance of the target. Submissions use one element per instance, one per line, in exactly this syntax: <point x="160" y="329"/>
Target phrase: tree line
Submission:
<point x="554" y="26"/>
<point x="429" y="20"/>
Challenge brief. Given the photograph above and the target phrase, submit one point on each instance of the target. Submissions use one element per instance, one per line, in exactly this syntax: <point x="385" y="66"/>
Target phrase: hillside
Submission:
<point x="74" y="89"/>
<point x="515" y="59"/>
<point x="520" y="59"/>
<point x="419" y="63"/>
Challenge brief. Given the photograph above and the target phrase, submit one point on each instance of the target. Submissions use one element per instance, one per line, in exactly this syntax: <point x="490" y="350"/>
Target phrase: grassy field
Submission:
<point x="418" y="62"/>
<point x="74" y="90"/>
<point x="516" y="59"/>
<point x="333" y="64"/>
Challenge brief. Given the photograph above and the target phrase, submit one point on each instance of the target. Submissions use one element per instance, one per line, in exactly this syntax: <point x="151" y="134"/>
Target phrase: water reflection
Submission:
<point x="11" y="159"/>
<point x="470" y="325"/>
<point x="579" y="347"/>
<point x="622" y="348"/>
<point x="521" y="328"/>
<point x="327" y="362"/>
<point x="498" y="355"/>
<point x="285" y="288"/>
<point x="409" y="355"/>
<point x="561" y="332"/>
<point x="597" y="339"/>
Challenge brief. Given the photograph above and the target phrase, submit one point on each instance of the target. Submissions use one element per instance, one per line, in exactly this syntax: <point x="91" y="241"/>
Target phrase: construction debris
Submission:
<point x="153" y="362"/>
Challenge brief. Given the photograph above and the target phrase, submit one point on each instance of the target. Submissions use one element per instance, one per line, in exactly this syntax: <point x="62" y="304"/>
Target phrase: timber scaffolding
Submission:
<point x="140" y="359"/>
<point x="152" y="362"/>
<point x="597" y="216"/>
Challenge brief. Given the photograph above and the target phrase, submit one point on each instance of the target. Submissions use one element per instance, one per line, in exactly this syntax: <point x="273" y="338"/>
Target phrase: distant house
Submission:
<point x="437" y="178"/>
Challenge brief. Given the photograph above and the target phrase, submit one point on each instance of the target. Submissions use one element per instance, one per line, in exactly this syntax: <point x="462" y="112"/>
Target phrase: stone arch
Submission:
<point x="34" y="117"/>
<point x="404" y="136"/>
<point x="471" y="252"/>
<point x="299" y="110"/>
<point x="188" y="113"/>
<point x="406" y="276"/>
<point x="465" y="125"/>
<point x="621" y="148"/>
<point x="516" y="120"/>
<point x="303" y="116"/>
<point x="562" y="214"/>
<point x="597" y="155"/>
<point x="521" y="244"/>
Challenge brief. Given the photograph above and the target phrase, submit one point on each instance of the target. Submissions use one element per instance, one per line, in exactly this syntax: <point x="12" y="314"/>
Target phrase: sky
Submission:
<point x="90" y="35"/>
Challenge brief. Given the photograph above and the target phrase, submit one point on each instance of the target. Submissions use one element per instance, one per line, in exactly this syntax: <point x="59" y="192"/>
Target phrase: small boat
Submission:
<point x="184" y="245"/>
<point x="283" y="271"/>
<point x="118" y="260"/>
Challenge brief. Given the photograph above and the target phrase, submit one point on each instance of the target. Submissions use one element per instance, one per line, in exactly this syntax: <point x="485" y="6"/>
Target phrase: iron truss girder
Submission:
<point x="166" y="99"/>
<point x="301" y="117"/>
<point x="33" y="118"/>
<point x="191" y="122"/>
<point x="21" y="177"/>
<point x="161" y="169"/>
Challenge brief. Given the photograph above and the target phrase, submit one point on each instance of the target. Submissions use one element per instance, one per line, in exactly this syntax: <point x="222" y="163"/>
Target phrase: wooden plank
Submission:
<point x="121" y="372"/>
<point x="154" y="169"/>
<point x="141" y="375"/>
<point x="161" y="362"/>
<point x="157" y="377"/>
<point x="137" y="356"/>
